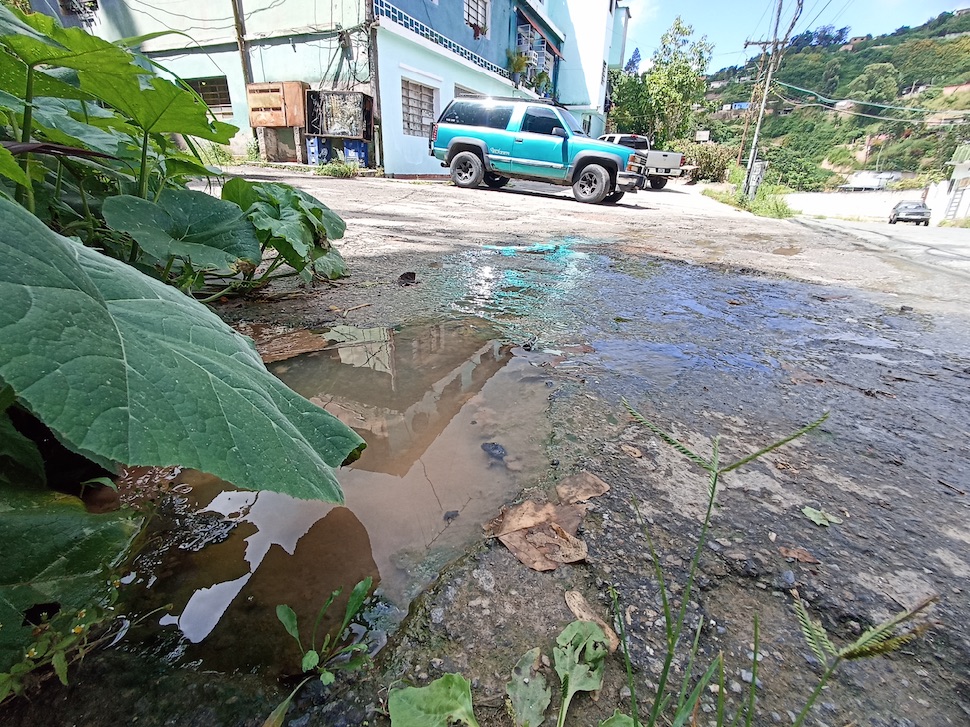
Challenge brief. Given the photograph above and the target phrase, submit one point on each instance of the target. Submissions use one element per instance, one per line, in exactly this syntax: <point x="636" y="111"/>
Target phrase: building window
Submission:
<point x="476" y="14"/>
<point x="417" y="108"/>
<point x="215" y="92"/>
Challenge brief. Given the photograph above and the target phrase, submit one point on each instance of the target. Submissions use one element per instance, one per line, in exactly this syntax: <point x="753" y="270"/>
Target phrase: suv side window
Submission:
<point x="540" y="120"/>
<point x="472" y="113"/>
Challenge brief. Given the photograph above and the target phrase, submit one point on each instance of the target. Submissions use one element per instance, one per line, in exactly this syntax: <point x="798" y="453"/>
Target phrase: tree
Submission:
<point x="830" y="76"/>
<point x="878" y="83"/>
<point x="659" y="103"/>
<point x="633" y="65"/>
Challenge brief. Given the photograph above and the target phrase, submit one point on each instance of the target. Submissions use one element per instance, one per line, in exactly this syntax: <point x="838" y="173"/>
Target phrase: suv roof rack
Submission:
<point x="517" y="99"/>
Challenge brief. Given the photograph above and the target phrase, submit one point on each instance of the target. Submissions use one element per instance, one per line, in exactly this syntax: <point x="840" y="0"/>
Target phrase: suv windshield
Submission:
<point x="574" y="126"/>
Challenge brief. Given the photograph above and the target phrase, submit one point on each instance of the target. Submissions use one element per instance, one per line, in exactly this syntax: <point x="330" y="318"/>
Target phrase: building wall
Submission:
<point x="588" y="27"/>
<point x="448" y="18"/>
<point x="404" y="54"/>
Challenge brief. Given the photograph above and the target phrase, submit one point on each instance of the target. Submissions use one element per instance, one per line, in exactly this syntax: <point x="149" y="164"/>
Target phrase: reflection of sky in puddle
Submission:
<point x="425" y="400"/>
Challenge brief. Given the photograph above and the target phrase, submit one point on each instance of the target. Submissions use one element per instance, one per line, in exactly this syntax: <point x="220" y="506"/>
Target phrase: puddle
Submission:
<point x="454" y="425"/>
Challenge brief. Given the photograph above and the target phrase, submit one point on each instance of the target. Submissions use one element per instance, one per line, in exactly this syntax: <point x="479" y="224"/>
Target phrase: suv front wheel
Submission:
<point x="467" y="170"/>
<point x="592" y="185"/>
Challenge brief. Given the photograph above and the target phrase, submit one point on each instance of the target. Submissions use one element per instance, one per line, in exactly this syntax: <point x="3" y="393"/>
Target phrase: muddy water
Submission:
<point x="453" y="422"/>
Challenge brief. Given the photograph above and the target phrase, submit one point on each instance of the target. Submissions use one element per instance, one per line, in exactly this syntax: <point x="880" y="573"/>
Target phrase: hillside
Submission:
<point x="903" y="119"/>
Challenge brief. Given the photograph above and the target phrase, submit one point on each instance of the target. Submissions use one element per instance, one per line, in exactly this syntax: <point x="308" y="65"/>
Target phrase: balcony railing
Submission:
<point x="382" y="8"/>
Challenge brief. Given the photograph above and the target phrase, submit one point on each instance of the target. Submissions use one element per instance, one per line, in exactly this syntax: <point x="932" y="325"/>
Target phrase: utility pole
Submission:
<point x="754" y="94"/>
<point x="773" y="62"/>
<point x="238" y="20"/>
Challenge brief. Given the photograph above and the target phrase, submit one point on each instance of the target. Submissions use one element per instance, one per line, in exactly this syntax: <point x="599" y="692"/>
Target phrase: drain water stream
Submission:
<point x="426" y="400"/>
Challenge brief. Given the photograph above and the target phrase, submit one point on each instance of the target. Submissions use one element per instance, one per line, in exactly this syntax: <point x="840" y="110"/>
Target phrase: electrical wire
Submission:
<point x="798" y="104"/>
<point x="868" y="103"/>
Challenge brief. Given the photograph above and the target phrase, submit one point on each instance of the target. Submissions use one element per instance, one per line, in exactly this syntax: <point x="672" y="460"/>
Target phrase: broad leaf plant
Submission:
<point x="104" y="342"/>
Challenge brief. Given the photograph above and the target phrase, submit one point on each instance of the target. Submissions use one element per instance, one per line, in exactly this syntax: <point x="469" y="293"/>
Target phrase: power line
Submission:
<point x="867" y="103"/>
<point x="797" y="104"/>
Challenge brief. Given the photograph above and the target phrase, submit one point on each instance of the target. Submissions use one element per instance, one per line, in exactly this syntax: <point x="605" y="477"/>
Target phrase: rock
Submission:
<point x="301" y="721"/>
<point x="735" y="687"/>
<point x="625" y="693"/>
<point x="494" y="450"/>
<point x="437" y="615"/>
<point x="788" y="578"/>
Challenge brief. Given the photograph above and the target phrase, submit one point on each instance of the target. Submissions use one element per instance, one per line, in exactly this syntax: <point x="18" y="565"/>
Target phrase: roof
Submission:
<point x="961" y="155"/>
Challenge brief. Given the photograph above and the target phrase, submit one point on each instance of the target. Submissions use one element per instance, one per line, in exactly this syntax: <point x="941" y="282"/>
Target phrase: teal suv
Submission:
<point x="493" y="140"/>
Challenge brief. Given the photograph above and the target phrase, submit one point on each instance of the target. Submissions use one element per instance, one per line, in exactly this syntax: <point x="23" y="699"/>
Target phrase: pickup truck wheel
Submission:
<point x="593" y="184"/>
<point x="658" y="182"/>
<point x="614" y="197"/>
<point x="467" y="170"/>
<point x="495" y="181"/>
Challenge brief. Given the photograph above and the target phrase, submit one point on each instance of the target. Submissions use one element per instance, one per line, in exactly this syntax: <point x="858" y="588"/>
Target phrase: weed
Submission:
<point x="580" y="650"/>
<point x="216" y="155"/>
<point x="334" y="652"/>
<point x="343" y="170"/>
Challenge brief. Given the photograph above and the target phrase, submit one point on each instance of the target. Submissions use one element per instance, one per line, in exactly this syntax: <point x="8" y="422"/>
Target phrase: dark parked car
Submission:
<point x="910" y="212"/>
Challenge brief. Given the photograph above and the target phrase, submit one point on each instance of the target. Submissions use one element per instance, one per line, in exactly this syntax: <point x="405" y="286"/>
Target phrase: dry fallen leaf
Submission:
<point x="799" y="554"/>
<point x="579" y="487"/>
<point x="631" y="450"/>
<point x="558" y="545"/>
<point x="584" y="612"/>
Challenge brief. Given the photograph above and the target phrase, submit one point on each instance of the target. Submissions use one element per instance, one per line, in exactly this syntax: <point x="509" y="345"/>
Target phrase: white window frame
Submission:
<point x="479" y="12"/>
<point x="417" y="117"/>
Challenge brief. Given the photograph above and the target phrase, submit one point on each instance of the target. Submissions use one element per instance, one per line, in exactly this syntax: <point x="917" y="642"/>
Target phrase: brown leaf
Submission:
<point x="631" y="450"/>
<point x="526" y="552"/>
<point x="581" y="486"/>
<point x="799" y="554"/>
<point x="584" y="612"/>
<point x="558" y="545"/>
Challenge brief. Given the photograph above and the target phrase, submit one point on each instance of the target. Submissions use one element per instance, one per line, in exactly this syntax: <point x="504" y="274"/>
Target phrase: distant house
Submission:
<point x="740" y="106"/>
<point x="714" y="85"/>
<point x="869" y="181"/>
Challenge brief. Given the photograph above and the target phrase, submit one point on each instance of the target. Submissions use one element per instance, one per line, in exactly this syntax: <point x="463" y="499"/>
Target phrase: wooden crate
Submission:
<point x="277" y="104"/>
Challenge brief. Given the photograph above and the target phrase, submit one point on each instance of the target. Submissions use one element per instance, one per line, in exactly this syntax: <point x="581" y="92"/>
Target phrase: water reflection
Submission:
<point x="426" y="400"/>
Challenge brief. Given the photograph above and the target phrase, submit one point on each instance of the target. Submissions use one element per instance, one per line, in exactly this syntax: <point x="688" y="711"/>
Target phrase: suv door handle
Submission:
<point x="519" y="141"/>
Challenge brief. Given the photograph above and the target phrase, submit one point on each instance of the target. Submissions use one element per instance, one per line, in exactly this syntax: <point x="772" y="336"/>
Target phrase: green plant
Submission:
<point x="518" y="62"/>
<point x="343" y="170"/>
<point x="335" y="653"/>
<point x="542" y="82"/>
<point x="120" y="367"/>
<point x="710" y="161"/>
<point x="881" y="639"/>
<point x="252" y="151"/>
<point x="216" y="154"/>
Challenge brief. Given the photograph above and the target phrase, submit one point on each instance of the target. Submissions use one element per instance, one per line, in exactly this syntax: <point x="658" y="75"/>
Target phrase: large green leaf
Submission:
<point x="157" y="105"/>
<point x="54" y="552"/>
<point x="13" y="78"/>
<point x="126" y="369"/>
<point x="329" y="263"/>
<point x="68" y="48"/>
<point x="188" y="224"/>
<point x="10" y="169"/>
<point x="12" y="24"/>
<point x="440" y="704"/>
<point x="52" y="120"/>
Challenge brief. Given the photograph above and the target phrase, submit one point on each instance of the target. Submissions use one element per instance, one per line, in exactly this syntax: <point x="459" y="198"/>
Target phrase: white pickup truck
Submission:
<point x="661" y="165"/>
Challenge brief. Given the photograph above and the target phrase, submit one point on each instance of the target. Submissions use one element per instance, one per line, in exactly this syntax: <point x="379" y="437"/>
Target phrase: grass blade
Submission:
<point x="780" y="443"/>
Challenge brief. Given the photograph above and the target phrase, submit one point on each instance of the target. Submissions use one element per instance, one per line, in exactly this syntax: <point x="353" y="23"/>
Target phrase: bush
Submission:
<point x="711" y="160"/>
<point x="768" y="202"/>
<point x="795" y="170"/>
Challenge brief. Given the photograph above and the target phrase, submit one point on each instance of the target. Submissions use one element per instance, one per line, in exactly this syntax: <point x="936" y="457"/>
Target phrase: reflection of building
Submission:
<point x="398" y="390"/>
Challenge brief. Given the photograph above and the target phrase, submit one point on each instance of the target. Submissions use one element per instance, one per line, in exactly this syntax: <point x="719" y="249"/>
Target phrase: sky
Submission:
<point x="728" y="23"/>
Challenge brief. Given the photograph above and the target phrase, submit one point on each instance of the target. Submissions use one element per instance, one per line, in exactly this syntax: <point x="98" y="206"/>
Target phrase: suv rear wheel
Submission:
<point x="658" y="182"/>
<point x="467" y="170"/>
<point x="495" y="181"/>
<point x="592" y="185"/>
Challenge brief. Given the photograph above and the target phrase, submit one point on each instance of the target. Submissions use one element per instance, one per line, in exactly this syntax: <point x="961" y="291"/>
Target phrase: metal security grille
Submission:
<point x="476" y="13"/>
<point x="214" y="91"/>
<point x="417" y="108"/>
